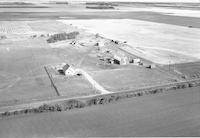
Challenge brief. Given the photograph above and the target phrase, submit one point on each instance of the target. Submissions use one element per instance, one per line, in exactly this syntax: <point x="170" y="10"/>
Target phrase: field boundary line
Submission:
<point x="52" y="83"/>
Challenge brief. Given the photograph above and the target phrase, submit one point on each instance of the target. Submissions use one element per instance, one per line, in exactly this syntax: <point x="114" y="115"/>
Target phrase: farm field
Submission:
<point x="175" y="113"/>
<point x="14" y="27"/>
<point x="171" y="14"/>
<point x="130" y="78"/>
<point x="16" y="30"/>
<point x="22" y="72"/>
<point x="50" y="26"/>
<point x="190" y="70"/>
<point x="160" y="43"/>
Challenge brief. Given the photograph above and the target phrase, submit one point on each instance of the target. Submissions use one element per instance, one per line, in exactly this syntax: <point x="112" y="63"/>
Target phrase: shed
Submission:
<point x="151" y="66"/>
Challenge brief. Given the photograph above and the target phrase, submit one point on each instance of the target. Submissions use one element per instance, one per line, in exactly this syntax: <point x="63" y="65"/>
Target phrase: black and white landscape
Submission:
<point x="99" y="68"/>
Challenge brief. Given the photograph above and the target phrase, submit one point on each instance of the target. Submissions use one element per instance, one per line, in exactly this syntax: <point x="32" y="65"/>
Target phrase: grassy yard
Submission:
<point x="130" y="78"/>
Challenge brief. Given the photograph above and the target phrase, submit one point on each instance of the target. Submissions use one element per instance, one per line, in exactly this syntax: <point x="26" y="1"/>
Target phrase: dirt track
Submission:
<point x="95" y="84"/>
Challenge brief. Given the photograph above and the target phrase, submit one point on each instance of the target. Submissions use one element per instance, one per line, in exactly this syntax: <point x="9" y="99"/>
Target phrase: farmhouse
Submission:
<point x="66" y="69"/>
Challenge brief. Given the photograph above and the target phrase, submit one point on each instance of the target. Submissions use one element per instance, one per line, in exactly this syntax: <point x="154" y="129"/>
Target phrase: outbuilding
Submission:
<point x="123" y="59"/>
<point x="66" y="69"/>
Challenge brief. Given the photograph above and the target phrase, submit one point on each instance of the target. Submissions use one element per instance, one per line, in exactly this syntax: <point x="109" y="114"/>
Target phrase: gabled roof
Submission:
<point x="65" y="67"/>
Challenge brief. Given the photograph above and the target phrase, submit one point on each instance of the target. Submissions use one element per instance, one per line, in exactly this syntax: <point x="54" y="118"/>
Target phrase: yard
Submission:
<point x="74" y="86"/>
<point x="131" y="78"/>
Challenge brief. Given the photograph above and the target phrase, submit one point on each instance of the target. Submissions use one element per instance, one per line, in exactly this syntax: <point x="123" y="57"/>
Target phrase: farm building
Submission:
<point x="136" y="61"/>
<point x="121" y="58"/>
<point x="100" y="44"/>
<point x="114" y="57"/>
<point x="151" y="66"/>
<point x="66" y="69"/>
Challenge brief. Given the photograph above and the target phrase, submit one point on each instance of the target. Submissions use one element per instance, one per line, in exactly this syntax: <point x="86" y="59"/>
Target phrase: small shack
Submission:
<point x="151" y="66"/>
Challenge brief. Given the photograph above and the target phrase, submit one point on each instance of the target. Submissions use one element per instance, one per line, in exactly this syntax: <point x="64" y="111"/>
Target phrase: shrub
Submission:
<point x="151" y="91"/>
<point x="117" y="98"/>
<point x="45" y="107"/>
<point x="185" y="85"/>
<point x="179" y="86"/>
<point x="129" y="95"/>
<point x="191" y="84"/>
<point x="102" y="101"/>
<point x="6" y="113"/>
<point x="26" y="111"/>
<point x="15" y="112"/>
<point x="81" y="105"/>
<point x="111" y="98"/>
<point x="139" y="94"/>
<point x="36" y="110"/>
<point x="160" y="90"/>
<point x="72" y="104"/>
<point x="172" y="88"/>
<point x="58" y="107"/>
<point x="92" y="102"/>
<point x="72" y="35"/>
<point x="51" y="108"/>
<point x="62" y="36"/>
<point x="154" y="91"/>
<point x="146" y="92"/>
